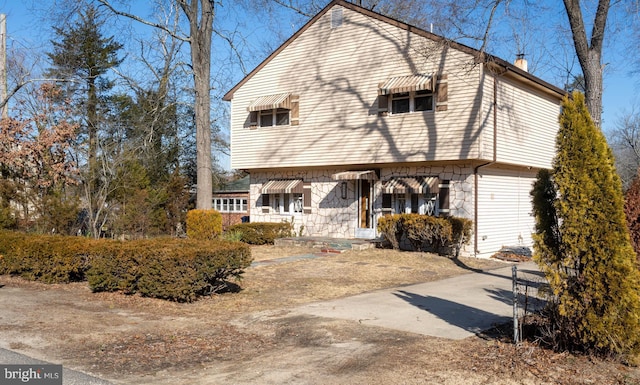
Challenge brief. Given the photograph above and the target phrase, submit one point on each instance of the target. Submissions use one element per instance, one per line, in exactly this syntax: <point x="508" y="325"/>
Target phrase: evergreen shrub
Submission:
<point x="425" y="232"/>
<point x="390" y="228"/>
<point x="444" y="235"/>
<point x="168" y="268"/>
<point x="204" y="224"/>
<point x="8" y="242"/>
<point x="461" y="231"/>
<point x="582" y="242"/>
<point x="45" y="258"/>
<point x="262" y="233"/>
<point x="177" y="270"/>
<point x="7" y="221"/>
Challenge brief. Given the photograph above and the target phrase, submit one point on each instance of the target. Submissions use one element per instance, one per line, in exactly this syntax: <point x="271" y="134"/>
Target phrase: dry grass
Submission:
<point x="330" y="276"/>
<point x="250" y="337"/>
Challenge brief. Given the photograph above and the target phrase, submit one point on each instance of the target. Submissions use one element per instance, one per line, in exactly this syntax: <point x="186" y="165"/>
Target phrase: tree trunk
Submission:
<point x="92" y="180"/>
<point x="589" y="53"/>
<point x="200" y="14"/>
<point x="200" y="41"/>
<point x="592" y="71"/>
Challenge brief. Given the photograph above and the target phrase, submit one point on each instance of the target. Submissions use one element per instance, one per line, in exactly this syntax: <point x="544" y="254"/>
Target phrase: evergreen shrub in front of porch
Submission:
<point x="443" y="235"/>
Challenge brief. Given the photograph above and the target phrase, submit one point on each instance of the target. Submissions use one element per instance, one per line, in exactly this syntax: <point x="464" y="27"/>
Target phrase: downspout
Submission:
<point x="492" y="162"/>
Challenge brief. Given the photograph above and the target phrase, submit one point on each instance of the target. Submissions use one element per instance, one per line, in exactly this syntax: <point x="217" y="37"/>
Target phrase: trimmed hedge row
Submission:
<point x="45" y="258"/>
<point x="261" y="233"/>
<point x="444" y="235"/>
<point x="177" y="270"/>
<point x="167" y="268"/>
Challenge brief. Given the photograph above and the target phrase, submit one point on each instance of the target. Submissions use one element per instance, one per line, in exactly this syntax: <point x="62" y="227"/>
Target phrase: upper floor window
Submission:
<point x="274" y="117"/>
<point x="413" y="101"/>
<point x="274" y="110"/>
<point x="400" y="103"/>
<point x="412" y="93"/>
<point x="423" y="100"/>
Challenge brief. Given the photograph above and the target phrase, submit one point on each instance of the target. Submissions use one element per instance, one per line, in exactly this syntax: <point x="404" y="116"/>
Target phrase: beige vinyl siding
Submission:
<point x="504" y="209"/>
<point x="527" y="125"/>
<point x="336" y="73"/>
<point x="486" y="118"/>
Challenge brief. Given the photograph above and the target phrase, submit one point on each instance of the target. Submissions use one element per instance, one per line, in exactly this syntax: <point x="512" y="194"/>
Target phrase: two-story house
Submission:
<point x="358" y="115"/>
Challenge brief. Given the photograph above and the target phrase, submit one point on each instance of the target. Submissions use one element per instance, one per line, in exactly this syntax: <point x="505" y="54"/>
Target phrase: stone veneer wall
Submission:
<point x="333" y="216"/>
<point x="330" y="216"/>
<point x="460" y="179"/>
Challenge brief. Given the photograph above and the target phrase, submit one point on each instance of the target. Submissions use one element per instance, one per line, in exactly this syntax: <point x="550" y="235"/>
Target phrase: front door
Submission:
<point x="365" y="204"/>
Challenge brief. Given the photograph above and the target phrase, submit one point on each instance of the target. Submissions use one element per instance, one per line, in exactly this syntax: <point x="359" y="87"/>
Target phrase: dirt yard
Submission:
<point x="253" y="337"/>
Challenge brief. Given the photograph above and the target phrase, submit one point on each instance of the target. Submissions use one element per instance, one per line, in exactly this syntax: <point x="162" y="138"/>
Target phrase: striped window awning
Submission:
<point x="415" y="185"/>
<point x="408" y="83"/>
<point x="271" y="102"/>
<point x="355" y="175"/>
<point x="289" y="186"/>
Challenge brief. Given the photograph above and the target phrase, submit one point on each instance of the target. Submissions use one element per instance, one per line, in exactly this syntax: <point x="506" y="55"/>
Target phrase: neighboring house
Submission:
<point x="358" y="115"/>
<point x="232" y="201"/>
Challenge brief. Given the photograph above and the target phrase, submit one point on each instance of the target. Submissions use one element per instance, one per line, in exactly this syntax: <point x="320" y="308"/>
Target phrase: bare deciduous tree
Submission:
<point x="589" y="52"/>
<point x="200" y="15"/>
<point x="625" y="142"/>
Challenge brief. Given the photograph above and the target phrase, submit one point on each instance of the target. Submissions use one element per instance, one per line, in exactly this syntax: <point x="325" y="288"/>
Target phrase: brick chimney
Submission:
<point x="521" y="62"/>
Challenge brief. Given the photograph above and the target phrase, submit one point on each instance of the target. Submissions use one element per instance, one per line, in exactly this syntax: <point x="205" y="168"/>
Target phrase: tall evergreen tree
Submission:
<point x="82" y="55"/>
<point x="582" y="243"/>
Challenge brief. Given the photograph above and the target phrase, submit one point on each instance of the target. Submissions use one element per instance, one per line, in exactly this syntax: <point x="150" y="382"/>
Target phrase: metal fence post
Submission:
<point x="514" y="273"/>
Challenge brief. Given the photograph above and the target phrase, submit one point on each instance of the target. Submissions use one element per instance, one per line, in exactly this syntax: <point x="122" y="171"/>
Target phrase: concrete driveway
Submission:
<point x="453" y="308"/>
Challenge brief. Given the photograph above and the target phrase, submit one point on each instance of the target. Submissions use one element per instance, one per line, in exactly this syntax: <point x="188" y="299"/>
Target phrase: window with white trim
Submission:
<point x="274" y="110"/>
<point x="230" y="205"/>
<point x="414" y="101"/>
<point x="286" y="203"/>
<point x="407" y="203"/>
<point x="424" y="204"/>
<point x="274" y="117"/>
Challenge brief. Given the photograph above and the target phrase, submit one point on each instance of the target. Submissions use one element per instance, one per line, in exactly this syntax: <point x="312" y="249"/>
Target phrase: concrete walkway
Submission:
<point x="453" y="308"/>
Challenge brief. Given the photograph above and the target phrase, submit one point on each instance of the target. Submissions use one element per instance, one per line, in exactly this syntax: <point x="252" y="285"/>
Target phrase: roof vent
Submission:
<point x="336" y="17"/>
<point x="521" y="62"/>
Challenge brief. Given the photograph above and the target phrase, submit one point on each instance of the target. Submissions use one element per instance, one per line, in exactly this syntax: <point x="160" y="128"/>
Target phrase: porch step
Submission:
<point x="332" y="244"/>
<point x="331" y="250"/>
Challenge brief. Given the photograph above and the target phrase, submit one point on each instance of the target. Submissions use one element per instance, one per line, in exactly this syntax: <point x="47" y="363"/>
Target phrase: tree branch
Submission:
<point x="107" y="4"/>
<point x="577" y="28"/>
<point x="293" y="8"/>
<point x="597" y="34"/>
<point x="485" y="37"/>
<point x="233" y="48"/>
<point x="19" y="86"/>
